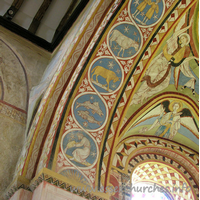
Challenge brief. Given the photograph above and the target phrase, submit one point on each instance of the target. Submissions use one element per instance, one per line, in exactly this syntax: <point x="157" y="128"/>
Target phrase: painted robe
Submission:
<point x="142" y="5"/>
<point x="158" y="68"/>
<point x="154" y="8"/>
<point x="169" y="125"/>
<point x="80" y="154"/>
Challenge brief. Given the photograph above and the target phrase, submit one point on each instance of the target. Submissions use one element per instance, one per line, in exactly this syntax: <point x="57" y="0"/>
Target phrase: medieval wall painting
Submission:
<point x="172" y="66"/>
<point x="89" y="111"/>
<point x="124" y="40"/>
<point x="146" y="12"/>
<point x="171" y="120"/>
<point x="13" y="110"/>
<point x="106" y="75"/>
<point x="92" y="105"/>
<point x="79" y="148"/>
<point x="13" y="78"/>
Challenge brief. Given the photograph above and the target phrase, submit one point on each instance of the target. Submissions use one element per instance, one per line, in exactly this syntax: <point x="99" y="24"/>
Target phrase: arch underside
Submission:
<point x="107" y="100"/>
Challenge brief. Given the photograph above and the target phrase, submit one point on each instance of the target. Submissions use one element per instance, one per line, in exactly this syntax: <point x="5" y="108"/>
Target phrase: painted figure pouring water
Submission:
<point x="175" y="53"/>
<point x="81" y="153"/>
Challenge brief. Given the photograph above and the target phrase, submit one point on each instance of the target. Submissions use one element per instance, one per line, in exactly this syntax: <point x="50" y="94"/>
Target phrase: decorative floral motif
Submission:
<point x="127" y="65"/>
<point x="98" y="136"/>
<point x="85" y="86"/>
<point x="92" y="175"/>
<point x="70" y="123"/>
<point x="103" y="50"/>
<point x="61" y="161"/>
<point x="146" y="32"/>
<point x="123" y="15"/>
<point x="169" y="3"/>
<point x="110" y="100"/>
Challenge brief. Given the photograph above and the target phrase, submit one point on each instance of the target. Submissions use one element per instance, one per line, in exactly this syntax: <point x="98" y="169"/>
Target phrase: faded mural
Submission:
<point x="14" y="86"/>
<point x="17" y="76"/>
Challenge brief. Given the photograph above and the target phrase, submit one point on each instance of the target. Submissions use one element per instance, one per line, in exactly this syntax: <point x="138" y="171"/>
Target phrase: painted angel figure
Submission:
<point x="170" y="119"/>
<point x="174" y="54"/>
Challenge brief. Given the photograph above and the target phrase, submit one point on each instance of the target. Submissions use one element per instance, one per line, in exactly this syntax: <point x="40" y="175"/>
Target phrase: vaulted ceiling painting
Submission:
<point x="130" y="108"/>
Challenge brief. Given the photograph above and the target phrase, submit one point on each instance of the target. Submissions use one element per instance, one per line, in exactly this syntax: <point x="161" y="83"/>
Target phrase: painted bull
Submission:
<point x="123" y="41"/>
<point x="105" y="73"/>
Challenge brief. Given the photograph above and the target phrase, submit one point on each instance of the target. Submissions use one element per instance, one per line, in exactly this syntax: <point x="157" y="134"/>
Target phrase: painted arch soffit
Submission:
<point x="133" y="152"/>
<point x="175" y="82"/>
<point x="107" y="85"/>
<point x="154" y="115"/>
<point x="61" y="76"/>
<point x="133" y="147"/>
<point x="168" y="81"/>
<point x="163" y="175"/>
<point x="115" y="70"/>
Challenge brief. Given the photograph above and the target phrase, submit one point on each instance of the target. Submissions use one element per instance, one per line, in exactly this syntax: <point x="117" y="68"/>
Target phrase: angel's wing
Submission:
<point x="154" y="112"/>
<point x="172" y="44"/>
<point x="190" y="124"/>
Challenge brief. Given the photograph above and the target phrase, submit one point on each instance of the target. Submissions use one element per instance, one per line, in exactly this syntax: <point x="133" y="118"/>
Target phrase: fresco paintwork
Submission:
<point x="90" y="111"/>
<point x="116" y="121"/>
<point x="73" y="136"/>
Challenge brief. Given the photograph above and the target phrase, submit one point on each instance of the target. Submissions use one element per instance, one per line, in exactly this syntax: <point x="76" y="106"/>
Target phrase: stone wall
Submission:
<point x="21" y="67"/>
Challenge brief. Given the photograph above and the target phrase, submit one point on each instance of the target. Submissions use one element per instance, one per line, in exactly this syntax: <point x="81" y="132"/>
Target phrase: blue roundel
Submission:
<point x="106" y="75"/>
<point x="79" y="148"/>
<point x="90" y="111"/>
<point x="125" y="40"/>
<point x="146" y="12"/>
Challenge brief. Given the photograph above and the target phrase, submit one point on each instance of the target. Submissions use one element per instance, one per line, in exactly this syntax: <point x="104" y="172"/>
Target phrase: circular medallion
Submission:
<point x="80" y="148"/>
<point x="146" y="12"/>
<point x="124" y="40"/>
<point x="106" y="75"/>
<point x="89" y="111"/>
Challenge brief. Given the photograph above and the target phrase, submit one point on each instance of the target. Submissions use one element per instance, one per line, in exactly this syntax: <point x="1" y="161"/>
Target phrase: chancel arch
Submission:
<point x="121" y="98"/>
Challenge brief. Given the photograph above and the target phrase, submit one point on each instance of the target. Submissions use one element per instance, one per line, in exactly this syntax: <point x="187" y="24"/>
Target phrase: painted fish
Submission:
<point x="94" y="106"/>
<point x="85" y="115"/>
